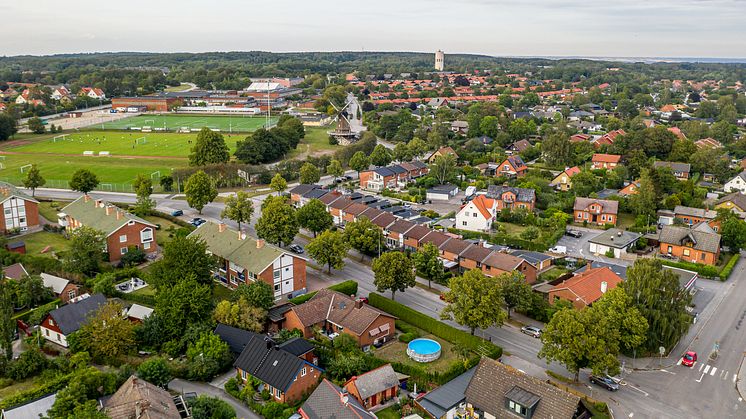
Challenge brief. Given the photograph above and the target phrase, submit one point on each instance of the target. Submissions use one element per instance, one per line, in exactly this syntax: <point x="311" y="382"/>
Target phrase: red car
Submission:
<point x="689" y="359"/>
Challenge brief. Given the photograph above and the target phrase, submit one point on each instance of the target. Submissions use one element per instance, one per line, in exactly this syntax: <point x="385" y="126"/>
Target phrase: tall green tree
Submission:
<point x="278" y="183"/>
<point x="335" y="169"/>
<point x="381" y="156"/>
<point x="732" y="230"/>
<point x="110" y="334"/>
<point x="330" y="249"/>
<point x="278" y="223"/>
<point x="557" y="150"/>
<point x="584" y="183"/>
<point x="258" y="294"/>
<point x="207" y="357"/>
<point x="209" y="148"/>
<point x="183" y="257"/>
<point x="205" y="407"/>
<point x="36" y="125"/>
<point x="86" y="250"/>
<point x="394" y="271"/>
<point x="7" y="325"/>
<point x="428" y="265"/>
<point x="314" y="217"/>
<point x="240" y="314"/>
<point x="8" y="126"/>
<point x="309" y="173"/>
<point x="200" y="190"/>
<point x="516" y="292"/>
<point x="33" y="179"/>
<point x="443" y="168"/>
<point x="473" y="301"/>
<point x="83" y="180"/>
<point x="186" y="302"/>
<point x="644" y="201"/>
<point x="156" y="371"/>
<point x="238" y="208"/>
<point x="359" y="162"/>
<point x="364" y="236"/>
<point x="143" y="189"/>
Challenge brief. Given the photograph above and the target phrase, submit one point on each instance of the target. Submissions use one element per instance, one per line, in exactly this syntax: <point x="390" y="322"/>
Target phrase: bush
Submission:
<point x="407" y="337"/>
<point x="728" y="268"/>
<point x="48" y="387"/>
<point x="706" y="271"/>
<point x="30" y="363"/>
<point x="347" y="288"/>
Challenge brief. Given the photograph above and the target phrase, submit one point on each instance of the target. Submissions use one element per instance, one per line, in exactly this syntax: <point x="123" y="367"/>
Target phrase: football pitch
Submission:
<point x="225" y="123"/>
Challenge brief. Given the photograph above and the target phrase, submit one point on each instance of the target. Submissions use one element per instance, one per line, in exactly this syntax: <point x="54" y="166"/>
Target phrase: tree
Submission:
<point x="644" y="201"/>
<point x="240" y="314"/>
<point x="530" y="233"/>
<point x="473" y="301"/>
<point x="443" y="168"/>
<point x="209" y="148"/>
<point x="516" y="292"/>
<point x="314" y="217"/>
<point x="394" y="271"/>
<point x="186" y="302"/>
<point x="335" y="169"/>
<point x="7" y="324"/>
<point x="417" y="147"/>
<point x="359" y="162"/>
<point x="278" y="223"/>
<point x="557" y="150"/>
<point x="205" y="407"/>
<point x="36" y="125"/>
<point x="330" y="249"/>
<point x="656" y="293"/>
<point x="86" y="250"/>
<point x="381" y="156"/>
<point x="309" y="173"/>
<point x="200" y="190"/>
<point x="156" y="371"/>
<point x="364" y="236"/>
<point x="207" y="357"/>
<point x="111" y="334"/>
<point x="33" y="179"/>
<point x="83" y="180"/>
<point x="489" y="126"/>
<point x="258" y="294"/>
<point x="584" y="183"/>
<point x="428" y="264"/>
<point x="8" y="126"/>
<point x="183" y="257"/>
<point x="278" y="183"/>
<point x="239" y="207"/>
<point x="401" y="152"/>
<point x="732" y="230"/>
<point x="167" y="183"/>
<point x="143" y="188"/>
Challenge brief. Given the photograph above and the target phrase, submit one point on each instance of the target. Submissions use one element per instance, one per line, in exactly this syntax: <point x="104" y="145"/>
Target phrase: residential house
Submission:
<point x="498" y="263"/>
<point x="460" y="127"/>
<point x="437" y="102"/>
<point x="585" y="288"/>
<point x="374" y="387"/>
<point x="62" y="288"/>
<point x="480" y="213"/>
<point x="333" y="312"/>
<point x="391" y="177"/>
<point x="352" y="212"/>
<point x="337" y="208"/>
<point x="680" y="170"/>
<point x="137" y="398"/>
<point x="243" y="260"/>
<point x="285" y="376"/>
<point x="451" y="251"/>
<point x="298" y="195"/>
<point x="330" y="401"/>
<point x="540" y="261"/>
<point x="21" y="211"/>
<point x="735" y="201"/>
<point x="63" y="321"/>
<point x="500" y="391"/>
<point x="443" y="151"/>
<point x="608" y="138"/>
<point x="395" y="233"/>
<point x="605" y="161"/>
<point x="630" y="189"/>
<point x="448" y="400"/>
<point x="614" y="240"/>
<point x="15" y="272"/>
<point x="92" y="92"/>
<point x="518" y="147"/>
<point x="737" y="184"/>
<point x="484" y="140"/>
<point x="137" y="313"/>
<point x="37" y="408"/>
<point x="60" y="92"/>
<point x="473" y="258"/>
<point x="692" y="216"/>
<point x="562" y="181"/>
<point x="513" y="166"/>
<point x="595" y="211"/>
<point x="121" y="229"/>
<point x="413" y="236"/>
<point x="697" y="244"/>
<point x="579" y="138"/>
<point x="708" y="143"/>
<point x="236" y="338"/>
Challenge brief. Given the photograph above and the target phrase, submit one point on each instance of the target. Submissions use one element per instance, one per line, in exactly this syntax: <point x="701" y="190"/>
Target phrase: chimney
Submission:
<point x="86" y="198"/>
<point x="98" y="203"/>
<point x="358" y="304"/>
<point x="221" y="227"/>
<point x="109" y="209"/>
<point x="604" y="287"/>
<point x="119" y="215"/>
<point x="343" y="397"/>
<point x="619" y="233"/>
<point x="259" y="243"/>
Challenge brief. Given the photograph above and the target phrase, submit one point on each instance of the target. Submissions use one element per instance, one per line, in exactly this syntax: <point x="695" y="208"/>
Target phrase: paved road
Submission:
<point x="184" y="386"/>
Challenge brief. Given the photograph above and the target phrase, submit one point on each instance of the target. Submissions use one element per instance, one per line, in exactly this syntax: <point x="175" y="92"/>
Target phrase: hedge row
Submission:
<point x="514" y="242"/>
<point x="707" y="271"/>
<point x="437" y="328"/>
<point x="46" y="307"/>
<point x="347" y="288"/>
<point x="144" y="299"/>
<point x="49" y="387"/>
<point x="728" y="268"/>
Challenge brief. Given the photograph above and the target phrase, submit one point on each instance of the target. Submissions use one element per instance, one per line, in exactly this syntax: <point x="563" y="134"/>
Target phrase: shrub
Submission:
<point x="728" y="268"/>
<point x="347" y="288"/>
<point x="407" y="337"/>
<point x="48" y="387"/>
<point x="706" y="271"/>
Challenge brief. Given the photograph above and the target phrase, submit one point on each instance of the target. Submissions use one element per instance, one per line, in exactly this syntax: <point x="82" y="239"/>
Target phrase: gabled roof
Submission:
<point x="530" y="256"/>
<point x="492" y="381"/>
<point x="701" y="236"/>
<point x="606" y="158"/>
<point x="384" y="171"/>
<point x="341" y="203"/>
<point x="609" y="207"/>
<point x="586" y="286"/>
<point x="455" y="246"/>
<point x="303" y="188"/>
<point x="674" y="166"/>
<point x="338" y="309"/>
<point x="521" y="194"/>
<point x="503" y="261"/>
<point x="15" y="271"/>
<point x="7" y="191"/>
<point x="572" y="171"/>
<point x="356" y="209"/>
<point x="56" y="283"/>
<point x="31" y="410"/>
<point x="520" y="145"/>
<point x="695" y="212"/>
<point x="448" y="396"/>
<point x="139" y="396"/>
<point x="297" y="346"/>
<point x="418" y="232"/>
<point x="484" y="205"/>
<point x="384" y="220"/>
<point x="436" y="238"/>
<point x="92" y="213"/>
<point x="401" y="226"/>
<point x="264" y="360"/>
<point x="330" y="197"/>
<point x="476" y="253"/>
<point x="738" y="199"/>
<point x="327" y="402"/>
<point x="235" y="338"/>
<point x="374" y="381"/>
<point x="707" y="143"/>
<point x="71" y="317"/>
<point x="371" y="213"/>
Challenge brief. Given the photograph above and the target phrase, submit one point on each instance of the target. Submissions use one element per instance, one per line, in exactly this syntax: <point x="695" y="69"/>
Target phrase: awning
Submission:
<point x="374" y="332"/>
<point x="448" y="264"/>
<point x="384" y="327"/>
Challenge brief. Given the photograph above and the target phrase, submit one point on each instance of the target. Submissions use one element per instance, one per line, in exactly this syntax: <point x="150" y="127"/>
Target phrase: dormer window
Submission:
<point x="521" y="402"/>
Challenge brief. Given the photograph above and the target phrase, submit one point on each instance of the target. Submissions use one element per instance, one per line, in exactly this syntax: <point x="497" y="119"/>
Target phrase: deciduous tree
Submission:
<point x="314" y="217"/>
<point x="33" y="179"/>
<point x="309" y="173"/>
<point x="428" y="265"/>
<point x="258" y="294"/>
<point x="86" y="250"/>
<point x="239" y="207"/>
<point x="364" y="236"/>
<point x="111" y="333"/>
<point x="394" y="271"/>
<point x="186" y="302"/>
<point x="359" y="162"/>
<point x="83" y="180"/>
<point x="207" y="357"/>
<point x="278" y="223"/>
<point x="473" y="301"/>
<point x="200" y="190"/>
<point x="209" y="148"/>
<point x="335" y="169"/>
<point x="240" y="314"/>
<point x="278" y="183"/>
<point x="443" y="168"/>
<point x="330" y="249"/>
<point x="183" y="257"/>
<point x="143" y="188"/>
<point x="381" y="156"/>
<point x="156" y="371"/>
<point x="516" y="292"/>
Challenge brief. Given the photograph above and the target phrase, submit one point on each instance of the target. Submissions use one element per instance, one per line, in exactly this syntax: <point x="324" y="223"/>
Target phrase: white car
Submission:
<point x="333" y="335"/>
<point x="560" y="250"/>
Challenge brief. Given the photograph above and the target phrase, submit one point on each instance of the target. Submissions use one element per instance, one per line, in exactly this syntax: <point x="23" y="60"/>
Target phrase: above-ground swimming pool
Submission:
<point x="423" y="350"/>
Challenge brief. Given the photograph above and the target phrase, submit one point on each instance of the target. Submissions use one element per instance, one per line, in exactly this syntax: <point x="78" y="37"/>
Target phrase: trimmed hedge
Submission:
<point x="706" y="271"/>
<point x="49" y="387"/>
<point x="437" y="328"/>
<point x="348" y="287"/>
<point x="728" y="268"/>
<point x="46" y="307"/>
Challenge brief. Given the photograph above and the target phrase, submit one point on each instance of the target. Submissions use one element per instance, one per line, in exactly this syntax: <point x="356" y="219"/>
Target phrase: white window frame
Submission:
<point x="122" y="238"/>
<point x="123" y="250"/>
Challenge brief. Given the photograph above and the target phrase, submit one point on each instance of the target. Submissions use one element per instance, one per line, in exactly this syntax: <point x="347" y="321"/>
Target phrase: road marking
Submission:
<point x="639" y="389"/>
<point x="735" y="377"/>
<point x="700" y="366"/>
<point x="723" y="375"/>
<point x="679" y="363"/>
<point x="713" y="371"/>
<point x="668" y="372"/>
<point x="700" y="378"/>
<point x="707" y="368"/>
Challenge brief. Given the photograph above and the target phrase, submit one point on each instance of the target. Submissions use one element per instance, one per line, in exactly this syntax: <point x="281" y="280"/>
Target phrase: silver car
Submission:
<point x="531" y="331"/>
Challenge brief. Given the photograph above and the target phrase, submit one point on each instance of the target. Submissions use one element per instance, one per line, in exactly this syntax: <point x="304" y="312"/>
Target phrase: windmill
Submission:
<point x="343" y="133"/>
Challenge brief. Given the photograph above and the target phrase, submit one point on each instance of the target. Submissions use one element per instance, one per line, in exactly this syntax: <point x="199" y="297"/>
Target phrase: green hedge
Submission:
<point x="144" y="299"/>
<point x="707" y="271"/>
<point x="437" y="328"/>
<point x="46" y="307"/>
<point x="728" y="268"/>
<point x="544" y="243"/>
<point x="347" y="288"/>
<point x="49" y="387"/>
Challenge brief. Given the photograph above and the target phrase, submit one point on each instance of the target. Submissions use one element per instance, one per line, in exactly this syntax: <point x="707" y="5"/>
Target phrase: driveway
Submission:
<point x="184" y="386"/>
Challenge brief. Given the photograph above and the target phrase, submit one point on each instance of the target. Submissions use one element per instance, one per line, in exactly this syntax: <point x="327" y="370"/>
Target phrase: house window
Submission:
<point x="146" y="235"/>
<point x="464" y="223"/>
<point x="47" y="331"/>
<point x="670" y="249"/>
<point x="686" y="252"/>
<point x="603" y="217"/>
<point x="276" y="274"/>
<point x="516" y="408"/>
<point x="123" y="238"/>
<point x="70" y="295"/>
<point x="702" y="256"/>
<point x="303" y="372"/>
<point x="123" y="250"/>
<point x="243" y="375"/>
<point x="580" y="215"/>
<point x="277" y="287"/>
<point x="475" y="215"/>
<point x="277" y="393"/>
<point x="146" y="246"/>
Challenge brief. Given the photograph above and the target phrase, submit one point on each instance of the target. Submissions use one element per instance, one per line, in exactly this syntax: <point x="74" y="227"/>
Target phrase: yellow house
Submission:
<point x="562" y="181"/>
<point x="735" y="201"/>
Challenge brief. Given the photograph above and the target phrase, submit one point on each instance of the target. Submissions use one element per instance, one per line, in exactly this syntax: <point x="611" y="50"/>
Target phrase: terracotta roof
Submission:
<point x="339" y="309"/>
<point x="330" y="197"/>
<point x="708" y="143"/>
<point x="341" y="203"/>
<point x="371" y="213"/>
<point x="15" y="271"/>
<point x="677" y="132"/>
<point x="503" y="261"/>
<point x="384" y="220"/>
<point x="607" y="206"/>
<point x="586" y="286"/>
<point x="356" y="209"/>
<point x="606" y="158"/>
<point x="484" y="204"/>
<point x="418" y="232"/>
<point x="572" y="171"/>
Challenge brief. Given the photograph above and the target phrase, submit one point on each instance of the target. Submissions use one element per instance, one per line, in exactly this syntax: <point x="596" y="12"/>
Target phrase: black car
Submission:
<point x="296" y="248"/>
<point x="197" y="221"/>
<point x="574" y="233"/>
<point x="604" y="381"/>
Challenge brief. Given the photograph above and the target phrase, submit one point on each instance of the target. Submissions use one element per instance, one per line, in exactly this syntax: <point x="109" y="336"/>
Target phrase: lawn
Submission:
<point x="397" y="352"/>
<point x="625" y="220"/>
<point x="180" y="88"/>
<point x="17" y="387"/>
<point x="163" y="235"/>
<point x="172" y="122"/>
<point x="47" y="209"/>
<point x="512" y="229"/>
<point x="36" y="242"/>
<point x="220" y="293"/>
<point x="388" y="413"/>
<point x="316" y="141"/>
<point x="552" y="273"/>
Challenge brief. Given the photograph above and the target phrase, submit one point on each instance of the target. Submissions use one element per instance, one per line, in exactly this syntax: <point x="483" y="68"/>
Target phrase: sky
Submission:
<point x="600" y="28"/>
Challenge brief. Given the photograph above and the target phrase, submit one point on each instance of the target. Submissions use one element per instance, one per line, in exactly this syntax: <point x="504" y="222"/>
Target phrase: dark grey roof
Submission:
<point x="235" y="338"/>
<point x="397" y="169"/>
<point x="418" y="164"/>
<point x="443" y="188"/>
<point x="297" y="346"/>
<point x="384" y="171"/>
<point x="277" y="313"/>
<point x="620" y="270"/>
<point x="530" y="256"/>
<point x="523" y="397"/>
<point x="448" y="396"/>
<point x="674" y="166"/>
<point x="686" y="278"/>
<point x="369" y="199"/>
<point x="701" y="236"/>
<point x="71" y="317"/>
<point x="521" y="194"/>
<point x="326" y="403"/>
<point x="264" y="360"/>
<point x="616" y="238"/>
<point x="695" y="212"/>
<point x="303" y="188"/>
<point x="380" y="204"/>
<point x="315" y="193"/>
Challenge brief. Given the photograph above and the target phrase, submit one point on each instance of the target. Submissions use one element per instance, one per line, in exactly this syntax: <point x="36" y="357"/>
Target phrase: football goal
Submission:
<point x="25" y="167"/>
<point x="155" y="175"/>
<point x="141" y="140"/>
<point x="106" y="187"/>
<point x="61" y="137"/>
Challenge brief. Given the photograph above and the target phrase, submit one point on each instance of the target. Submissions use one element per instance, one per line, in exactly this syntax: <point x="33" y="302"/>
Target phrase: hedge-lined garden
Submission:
<point x="706" y="271"/>
<point x="347" y="288"/>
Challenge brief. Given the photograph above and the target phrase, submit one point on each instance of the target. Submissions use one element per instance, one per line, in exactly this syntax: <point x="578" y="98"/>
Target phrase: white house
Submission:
<point x="477" y="215"/>
<point x="614" y="239"/>
<point x="93" y="93"/>
<point x="441" y="192"/>
<point x="737" y="184"/>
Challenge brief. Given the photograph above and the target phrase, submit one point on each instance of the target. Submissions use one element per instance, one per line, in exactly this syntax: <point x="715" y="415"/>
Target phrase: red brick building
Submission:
<point x="20" y="211"/>
<point x="151" y="103"/>
<point x="595" y="211"/>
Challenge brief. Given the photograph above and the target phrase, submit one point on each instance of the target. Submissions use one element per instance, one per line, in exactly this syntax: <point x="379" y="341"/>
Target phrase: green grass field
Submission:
<point x="226" y="123"/>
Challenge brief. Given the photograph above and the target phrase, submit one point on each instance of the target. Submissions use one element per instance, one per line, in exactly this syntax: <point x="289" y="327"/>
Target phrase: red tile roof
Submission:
<point x="586" y="286"/>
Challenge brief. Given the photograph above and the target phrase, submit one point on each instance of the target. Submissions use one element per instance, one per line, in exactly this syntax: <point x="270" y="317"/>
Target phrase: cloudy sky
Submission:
<point x="600" y="28"/>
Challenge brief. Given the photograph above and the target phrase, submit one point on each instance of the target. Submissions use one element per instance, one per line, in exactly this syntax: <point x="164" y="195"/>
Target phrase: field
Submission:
<point x="226" y="123"/>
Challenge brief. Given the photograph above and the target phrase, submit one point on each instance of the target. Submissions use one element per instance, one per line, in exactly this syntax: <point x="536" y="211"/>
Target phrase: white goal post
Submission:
<point x="155" y="175"/>
<point x="106" y="187"/>
<point x="61" y="137"/>
<point x="25" y="166"/>
<point x="138" y="140"/>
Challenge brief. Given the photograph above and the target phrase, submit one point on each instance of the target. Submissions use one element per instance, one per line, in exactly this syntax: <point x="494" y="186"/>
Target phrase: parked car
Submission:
<point x="574" y="233"/>
<point x="604" y="381"/>
<point x="348" y="177"/>
<point x="363" y="299"/>
<point x="197" y="221"/>
<point x="666" y="256"/>
<point x="531" y="331"/>
<point x="689" y="359"/>
<point x="560" y="250"/>
<point x="176" y="213"/>
<point x="296" y="248"/>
